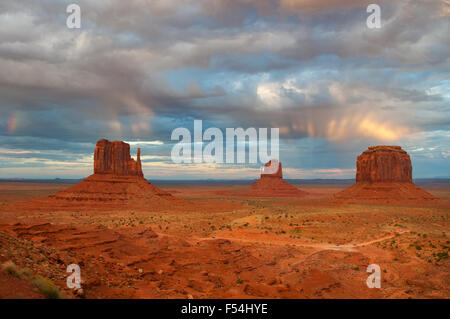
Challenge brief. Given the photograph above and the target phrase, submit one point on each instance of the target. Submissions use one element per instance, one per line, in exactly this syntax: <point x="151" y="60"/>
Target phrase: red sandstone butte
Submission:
<point x="384" y="175"/>
<point x="271" y="183"/>
<point x="117" y="180"/>
<point x="384" y="164"/>
<point x="114" y="158"/>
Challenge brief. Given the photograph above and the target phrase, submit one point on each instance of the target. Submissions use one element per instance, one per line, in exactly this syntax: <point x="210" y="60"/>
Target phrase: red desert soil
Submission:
<point x="233" y="247"/>
<point x="12" y="287"/>
<point x="132" y="239"/>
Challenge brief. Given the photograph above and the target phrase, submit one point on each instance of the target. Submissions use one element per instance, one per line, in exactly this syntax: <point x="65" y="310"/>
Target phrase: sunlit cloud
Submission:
<point x="380" y="131"/>
<point x="293" y="173"/>
<point x="198" y="171"/>
<point x="6" y="151"/>
<point x="310" y="68"/>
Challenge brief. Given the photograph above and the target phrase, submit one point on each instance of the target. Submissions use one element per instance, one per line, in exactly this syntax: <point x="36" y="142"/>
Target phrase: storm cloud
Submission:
<point x="138" y="69"/>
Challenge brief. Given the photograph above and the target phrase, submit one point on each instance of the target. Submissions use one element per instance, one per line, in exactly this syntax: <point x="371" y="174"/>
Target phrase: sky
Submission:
<point x="138" y="69"/>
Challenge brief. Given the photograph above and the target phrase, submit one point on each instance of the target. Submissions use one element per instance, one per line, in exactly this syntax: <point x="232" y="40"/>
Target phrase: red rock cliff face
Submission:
<point x="384" y="164"/>
<point x="114" y="158"/>
<point x="271" y="183"/>
<point x="272" y="169"/>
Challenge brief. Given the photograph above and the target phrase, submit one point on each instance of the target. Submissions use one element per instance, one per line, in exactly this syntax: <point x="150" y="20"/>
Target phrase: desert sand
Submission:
<point x="213" y="244"/>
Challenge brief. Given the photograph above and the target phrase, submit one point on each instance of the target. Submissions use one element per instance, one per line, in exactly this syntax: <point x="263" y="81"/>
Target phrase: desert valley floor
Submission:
<point x="223" y="245"/>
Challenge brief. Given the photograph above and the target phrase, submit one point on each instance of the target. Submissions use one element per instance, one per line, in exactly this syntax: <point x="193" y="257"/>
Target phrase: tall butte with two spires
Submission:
<point x="117" y="180"/>
<point x="384" y="175"/>
<point x="272" y="184"/>
<point x="114" y="158"/>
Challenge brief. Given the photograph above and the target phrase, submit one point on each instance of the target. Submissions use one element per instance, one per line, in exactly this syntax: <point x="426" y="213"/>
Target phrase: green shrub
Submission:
<point x="46" y="287"/>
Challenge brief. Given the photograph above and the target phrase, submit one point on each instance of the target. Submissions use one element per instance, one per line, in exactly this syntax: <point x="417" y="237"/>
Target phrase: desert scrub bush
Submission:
<point x="46" y="287"/>
<point x="442" y="255"/>
<point x="10" y="268"/>
<point x="26" y="273"/>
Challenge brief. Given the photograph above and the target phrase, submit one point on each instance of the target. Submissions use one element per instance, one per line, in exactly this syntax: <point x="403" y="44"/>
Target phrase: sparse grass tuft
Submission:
<point x="10" y="268"/>
<point x="26" y="273"/>
<point x="46" y="287"/>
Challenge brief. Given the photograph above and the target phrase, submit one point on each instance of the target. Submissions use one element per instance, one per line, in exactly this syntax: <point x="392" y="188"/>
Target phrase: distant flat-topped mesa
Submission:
<point x="114" y="158"/>
<point x="384" y="176"/>
<point x="271" y="183"/>
<point x="384" y="164"/>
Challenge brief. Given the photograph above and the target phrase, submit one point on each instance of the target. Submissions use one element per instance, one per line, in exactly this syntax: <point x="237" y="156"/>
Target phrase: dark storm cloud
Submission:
<point x="137" y="69"/>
